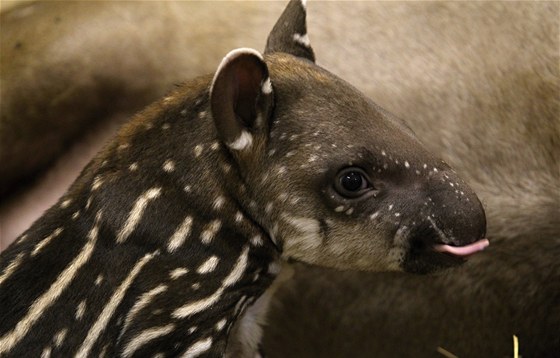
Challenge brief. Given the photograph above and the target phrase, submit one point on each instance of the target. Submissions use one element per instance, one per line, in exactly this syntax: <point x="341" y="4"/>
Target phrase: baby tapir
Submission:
<point x="167" y="239"/>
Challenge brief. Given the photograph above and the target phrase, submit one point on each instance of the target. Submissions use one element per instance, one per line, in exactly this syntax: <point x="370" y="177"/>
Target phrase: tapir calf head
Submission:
<point x="333" y="178"/>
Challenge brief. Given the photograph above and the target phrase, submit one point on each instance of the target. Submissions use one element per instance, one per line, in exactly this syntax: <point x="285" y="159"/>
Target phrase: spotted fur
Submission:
<point x="183" y="221"/>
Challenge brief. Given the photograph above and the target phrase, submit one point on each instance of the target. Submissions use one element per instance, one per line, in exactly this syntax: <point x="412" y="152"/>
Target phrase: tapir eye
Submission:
<point x="352" y="182"/>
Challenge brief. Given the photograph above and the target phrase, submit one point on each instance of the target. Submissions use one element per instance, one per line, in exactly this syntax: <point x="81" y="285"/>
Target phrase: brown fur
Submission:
<point x="477" y="82"/>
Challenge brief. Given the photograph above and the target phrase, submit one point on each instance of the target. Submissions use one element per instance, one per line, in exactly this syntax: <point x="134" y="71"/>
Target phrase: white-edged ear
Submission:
<point x="241" y="98"/>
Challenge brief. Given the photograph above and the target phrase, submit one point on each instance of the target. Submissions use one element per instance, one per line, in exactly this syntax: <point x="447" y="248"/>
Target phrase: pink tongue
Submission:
<point x="463" y="250"/>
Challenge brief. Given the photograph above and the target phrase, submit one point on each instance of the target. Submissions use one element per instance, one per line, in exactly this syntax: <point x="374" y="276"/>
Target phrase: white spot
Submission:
<point x="374" y="215"/>
<point x="451" y="184"/>
<point x="349" y="211"/>
<point x="274" y="268"/>
<point x="435" y="170"/>
<point x="218" y="203"/>
<point x="59" y="337"/>
<point x="188" y="188"/>
<point x="290" y="153"/>
<point x="98" y="280"/>
<point x="238" y="217"/>
<point x="178" y="272"/>
<point x="385" y="166"/>
<point x="312" y="158"/>
<point x="180" y="234"/>
<point x="192" y="330"/>
<point x="80" y="310"/>
<point x="123" y="146"/>
<point x="425" y="166"/>
<point x="281" y="170"/>
<point x="210" y="231"/>
<point x="169" y="166"/>
<point x="221" y="324"/>
<point x="75" y="215"/>
<point x="65" y="203"/>
<point x="397" y="214"/>
<point x="271" y="152"/>
<point x="406" y="165"/>
<point x="136" y="213"/>
<point x="202" y="114"/>
<point x="244" y="141"/>
<point x="198" y="348"/>
<point x="197" y="150"/>
<point x="133" y="167"/>
<point x="339" y="209"/>
<point x="302" y="39"/>
<point x="168" y="99"/>
<point x="165" y="126"/>
<point x="195" y="286"/>
<point x="268" y="207"/>
<point x="103" y="319"/>
<point x="417" y="172"/>
<point x="383" y="153"/>
<point x="208" y="265"/>
<point x="390" y="207"/>
<point x="215" y="146"/>
<point x="257" y="240"/>
<point x="267" y="86"/>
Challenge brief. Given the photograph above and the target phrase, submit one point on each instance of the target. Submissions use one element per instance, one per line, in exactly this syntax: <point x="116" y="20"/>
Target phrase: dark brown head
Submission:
<point x="332" y="177"/>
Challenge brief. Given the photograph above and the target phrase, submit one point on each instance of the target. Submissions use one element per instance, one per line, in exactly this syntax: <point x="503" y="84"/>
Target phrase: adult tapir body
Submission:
<point x="168" y="240"/>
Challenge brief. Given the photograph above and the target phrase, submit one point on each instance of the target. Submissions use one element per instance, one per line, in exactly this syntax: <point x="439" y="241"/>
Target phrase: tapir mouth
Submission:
<point x="429" y="252"/>
<point x="463" y="251"/>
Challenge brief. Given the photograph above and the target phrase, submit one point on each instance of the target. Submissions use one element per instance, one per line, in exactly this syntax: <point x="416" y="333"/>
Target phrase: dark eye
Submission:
<point x="352" y="182"/>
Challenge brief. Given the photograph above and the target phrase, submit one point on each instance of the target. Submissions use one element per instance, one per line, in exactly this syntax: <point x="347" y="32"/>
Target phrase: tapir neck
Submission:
<point x="140" y="239"/>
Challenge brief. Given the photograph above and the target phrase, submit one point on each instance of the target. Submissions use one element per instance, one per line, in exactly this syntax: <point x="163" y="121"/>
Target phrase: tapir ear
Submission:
<point x="241" y="98"/>
<point x="289" y="35"/>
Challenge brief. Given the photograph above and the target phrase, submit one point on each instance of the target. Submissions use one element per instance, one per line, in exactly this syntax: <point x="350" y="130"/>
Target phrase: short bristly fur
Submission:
<point x="168" y="241"/>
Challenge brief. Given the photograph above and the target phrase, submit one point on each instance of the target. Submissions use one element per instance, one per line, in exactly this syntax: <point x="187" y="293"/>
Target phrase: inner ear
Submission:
<point x="240" y="97"/>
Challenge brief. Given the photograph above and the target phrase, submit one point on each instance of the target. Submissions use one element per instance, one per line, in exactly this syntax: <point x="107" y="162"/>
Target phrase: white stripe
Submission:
<point x="145" y="337"/>
<point x="46" y="241"/>
<point x="198" y="348"/>
<point x="40" y="306"/>
<point x="180" y="235"/>
<point x="208" y="265"/>
<point x="142" y="302"/>
<point x="111" y="306"/>
<point x="136" y="213"/>
<point x="11" y="267"/>
<point x="245" y="140"/>
<point x="200" y="305"/>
